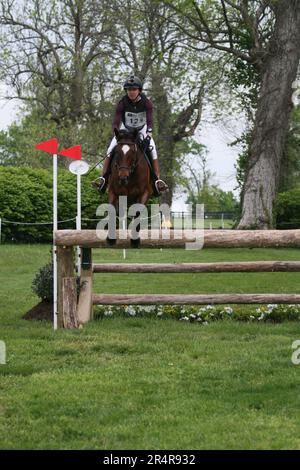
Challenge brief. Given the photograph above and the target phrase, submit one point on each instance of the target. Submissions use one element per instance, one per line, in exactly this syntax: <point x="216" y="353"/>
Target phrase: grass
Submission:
<point x="148" y="383"/>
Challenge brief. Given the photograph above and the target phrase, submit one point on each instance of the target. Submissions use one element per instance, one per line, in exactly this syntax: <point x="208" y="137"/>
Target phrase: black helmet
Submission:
<point x="133" y="82"/>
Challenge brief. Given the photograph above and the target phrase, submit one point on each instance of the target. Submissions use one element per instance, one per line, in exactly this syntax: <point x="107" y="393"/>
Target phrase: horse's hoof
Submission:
<point x="135" y="243"/>
<point x="111" y="241"/>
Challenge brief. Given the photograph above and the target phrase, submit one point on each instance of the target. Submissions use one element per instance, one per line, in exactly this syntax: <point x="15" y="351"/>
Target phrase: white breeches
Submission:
<point x="142" y="132"/>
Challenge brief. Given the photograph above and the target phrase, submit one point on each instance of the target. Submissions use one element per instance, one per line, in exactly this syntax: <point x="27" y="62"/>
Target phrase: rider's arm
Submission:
<point x="149" y="115"/>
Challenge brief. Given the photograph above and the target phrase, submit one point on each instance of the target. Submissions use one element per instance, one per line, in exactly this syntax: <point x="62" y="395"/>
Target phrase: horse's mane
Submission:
<point x="125" y="134"/>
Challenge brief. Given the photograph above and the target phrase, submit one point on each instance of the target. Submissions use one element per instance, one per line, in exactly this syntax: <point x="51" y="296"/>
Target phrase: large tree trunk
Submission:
<point x="272" y="118"/>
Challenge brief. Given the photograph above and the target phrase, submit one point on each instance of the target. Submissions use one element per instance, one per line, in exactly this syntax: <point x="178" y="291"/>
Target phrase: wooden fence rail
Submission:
<point x="72" y="311"/>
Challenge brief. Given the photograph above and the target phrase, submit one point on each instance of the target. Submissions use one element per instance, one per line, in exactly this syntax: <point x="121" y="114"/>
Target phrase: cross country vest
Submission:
<point x="134" y="115"/>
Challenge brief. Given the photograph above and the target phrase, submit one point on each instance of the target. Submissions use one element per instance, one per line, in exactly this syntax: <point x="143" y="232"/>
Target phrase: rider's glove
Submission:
<point x="149" y="133"/>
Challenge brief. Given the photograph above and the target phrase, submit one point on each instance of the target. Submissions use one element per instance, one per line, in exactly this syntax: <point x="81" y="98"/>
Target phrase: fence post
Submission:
<point x="65" y="269"/>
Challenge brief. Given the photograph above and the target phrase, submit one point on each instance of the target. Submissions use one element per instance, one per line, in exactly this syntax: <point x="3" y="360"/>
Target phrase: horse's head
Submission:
<point x="125" y="154"/>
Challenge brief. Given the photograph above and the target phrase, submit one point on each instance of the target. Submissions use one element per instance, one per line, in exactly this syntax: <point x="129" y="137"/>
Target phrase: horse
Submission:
<point x="130" y="174"/>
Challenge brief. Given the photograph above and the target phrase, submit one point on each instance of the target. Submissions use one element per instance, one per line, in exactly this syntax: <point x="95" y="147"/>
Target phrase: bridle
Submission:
<point x="132" y="167"/>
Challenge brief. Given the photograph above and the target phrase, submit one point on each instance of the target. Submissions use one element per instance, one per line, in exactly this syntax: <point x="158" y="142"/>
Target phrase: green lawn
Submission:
<point x="148" y="383"/>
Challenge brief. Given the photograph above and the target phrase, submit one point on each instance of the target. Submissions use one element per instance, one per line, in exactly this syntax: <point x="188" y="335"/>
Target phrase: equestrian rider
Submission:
<point x="133" y="112"/>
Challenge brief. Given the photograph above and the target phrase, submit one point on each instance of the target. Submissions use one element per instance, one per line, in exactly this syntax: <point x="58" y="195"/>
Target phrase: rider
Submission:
<point x="134" y="112"/>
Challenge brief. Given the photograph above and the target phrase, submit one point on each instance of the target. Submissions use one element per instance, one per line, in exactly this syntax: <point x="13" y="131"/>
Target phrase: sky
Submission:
<point x="216" y="137"/>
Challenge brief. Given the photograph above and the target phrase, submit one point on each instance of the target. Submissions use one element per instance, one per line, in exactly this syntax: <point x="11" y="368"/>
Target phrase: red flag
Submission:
<point x="72" y="152"/>
<point x="50" y="146"/>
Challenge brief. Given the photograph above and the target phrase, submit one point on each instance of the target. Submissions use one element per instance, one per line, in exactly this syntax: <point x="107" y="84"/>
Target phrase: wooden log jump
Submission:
<point x="178" y="239"/>
<point x="194" y="299"/>
<point x="231" y="267"/>
<point x="73" y="312"/>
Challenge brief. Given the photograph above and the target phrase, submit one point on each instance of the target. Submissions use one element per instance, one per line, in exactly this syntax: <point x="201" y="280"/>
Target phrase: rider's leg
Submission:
<point x="160" y="185"/>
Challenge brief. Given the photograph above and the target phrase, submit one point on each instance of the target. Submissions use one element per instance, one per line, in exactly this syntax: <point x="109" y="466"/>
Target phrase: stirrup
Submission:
<point x="161" y="186"/>
<point x="99" y="183"/>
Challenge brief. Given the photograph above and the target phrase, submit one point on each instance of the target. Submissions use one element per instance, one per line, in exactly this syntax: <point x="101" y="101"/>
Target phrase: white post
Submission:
<point x="78" y="168"/>
<point x="160" y="215"/>
<point x="78" y="219"/>
<point x="54" y="247"/>
<point x="124" y="227"/>
<point x="222" y="220"/>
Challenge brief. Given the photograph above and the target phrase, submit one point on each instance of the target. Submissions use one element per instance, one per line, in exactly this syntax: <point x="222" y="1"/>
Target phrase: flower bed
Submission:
<point x="204" y="314"/>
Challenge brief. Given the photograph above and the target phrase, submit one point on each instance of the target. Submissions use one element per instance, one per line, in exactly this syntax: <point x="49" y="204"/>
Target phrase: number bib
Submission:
<point x="135" y="120"/>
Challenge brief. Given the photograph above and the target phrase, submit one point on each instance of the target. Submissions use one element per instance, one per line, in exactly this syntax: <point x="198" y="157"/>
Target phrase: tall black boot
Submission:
<point x="101" y="183"/>
<point x="159" y="185"/>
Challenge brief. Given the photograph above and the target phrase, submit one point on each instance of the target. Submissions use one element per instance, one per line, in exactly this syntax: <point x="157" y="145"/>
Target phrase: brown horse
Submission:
<point x="130" y="174"/>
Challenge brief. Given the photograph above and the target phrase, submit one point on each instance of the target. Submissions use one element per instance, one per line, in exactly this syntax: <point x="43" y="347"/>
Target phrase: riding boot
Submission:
<point x="159" y="185"/>
<point x="101" y="183"/>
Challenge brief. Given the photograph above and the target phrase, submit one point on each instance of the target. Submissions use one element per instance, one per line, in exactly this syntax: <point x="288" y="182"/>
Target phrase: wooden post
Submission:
<point x="65" y="269"/>
<point x="70" y="302"/>
<point x="85" y="305"/>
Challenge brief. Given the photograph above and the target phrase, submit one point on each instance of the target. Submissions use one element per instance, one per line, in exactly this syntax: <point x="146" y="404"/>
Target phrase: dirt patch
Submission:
<point x="41" y="311"/>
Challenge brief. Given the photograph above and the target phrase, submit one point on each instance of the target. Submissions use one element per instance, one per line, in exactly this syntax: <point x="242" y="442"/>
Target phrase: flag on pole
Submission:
<point x="72" y="152"/>
<point x="50" y="146"/>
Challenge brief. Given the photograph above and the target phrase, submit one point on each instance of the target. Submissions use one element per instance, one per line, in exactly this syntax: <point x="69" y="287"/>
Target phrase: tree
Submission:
<point x="265" y="36"/>
<point x="290" y="169"/>
<point x="150" y="47"/>
<point x="53" y="57"/>
<point x="75" y="54"/>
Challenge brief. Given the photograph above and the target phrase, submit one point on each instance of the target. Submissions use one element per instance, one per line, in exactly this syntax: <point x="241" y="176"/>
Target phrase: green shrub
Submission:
<point x="287" y="209"/>
<point x="26" y="196"/>
<point x="42" y="284"/>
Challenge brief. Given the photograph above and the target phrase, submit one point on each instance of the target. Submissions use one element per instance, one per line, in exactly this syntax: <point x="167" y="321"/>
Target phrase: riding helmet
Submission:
<point x="133" y="82"/>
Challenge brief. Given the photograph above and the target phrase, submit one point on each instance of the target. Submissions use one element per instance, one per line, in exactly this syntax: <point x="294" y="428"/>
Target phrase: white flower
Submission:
<point x="130" y="310"/>
<point x="184" y="318"/>
<point x="108" y="313"/>
<point x="148" y="308"/>
<point x="228" y="310"/>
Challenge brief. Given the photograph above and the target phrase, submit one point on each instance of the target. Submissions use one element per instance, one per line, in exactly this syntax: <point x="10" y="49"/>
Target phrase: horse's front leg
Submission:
<point x="135" y="243"/>
<point x="145" y="198"/>
<point x="113" y="200"/>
